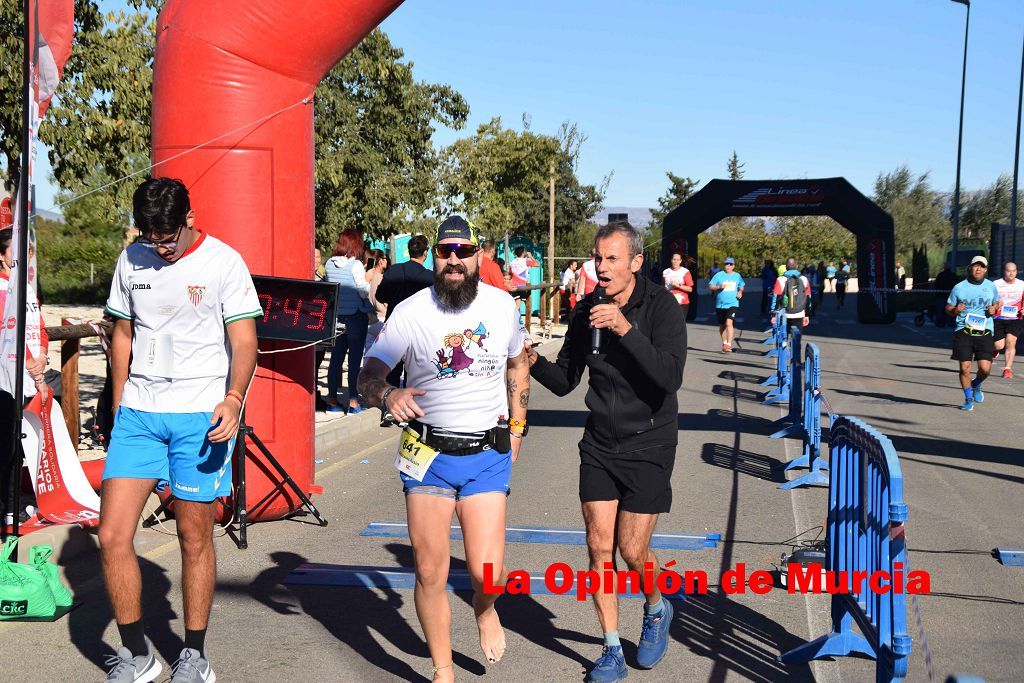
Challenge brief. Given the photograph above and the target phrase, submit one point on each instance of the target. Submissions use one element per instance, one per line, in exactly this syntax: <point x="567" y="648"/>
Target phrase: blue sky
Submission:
<point x="798" y="88"/>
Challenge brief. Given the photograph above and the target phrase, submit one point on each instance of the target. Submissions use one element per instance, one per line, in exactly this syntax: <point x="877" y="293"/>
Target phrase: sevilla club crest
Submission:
<point x="195" y="293"/>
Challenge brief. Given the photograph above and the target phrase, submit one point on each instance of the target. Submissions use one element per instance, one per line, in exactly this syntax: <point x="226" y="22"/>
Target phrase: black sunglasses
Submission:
<point x="167" y="244"/>
<point x="443" y="251"/>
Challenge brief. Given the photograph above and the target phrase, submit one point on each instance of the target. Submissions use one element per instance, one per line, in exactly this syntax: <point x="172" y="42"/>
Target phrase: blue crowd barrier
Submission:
<point x="808" y="428"/>
<point x="776" y="331"/>
<point x="783" y="377"/>
<point x="865" y="533"/>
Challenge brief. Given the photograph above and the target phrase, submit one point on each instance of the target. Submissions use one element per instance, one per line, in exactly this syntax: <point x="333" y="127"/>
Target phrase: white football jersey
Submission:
<point x="181" y="355"/>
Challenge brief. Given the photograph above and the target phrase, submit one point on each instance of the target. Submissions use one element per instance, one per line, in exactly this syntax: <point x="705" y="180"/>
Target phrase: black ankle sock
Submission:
<point x="133" y="637"/>
<point x="195" y="639"/>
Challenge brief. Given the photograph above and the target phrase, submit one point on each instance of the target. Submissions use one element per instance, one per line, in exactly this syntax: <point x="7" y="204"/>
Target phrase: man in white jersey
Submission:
<point x="464" y="411"/>
<point x="1007" y="320"/>
<point x="183" y="350"/>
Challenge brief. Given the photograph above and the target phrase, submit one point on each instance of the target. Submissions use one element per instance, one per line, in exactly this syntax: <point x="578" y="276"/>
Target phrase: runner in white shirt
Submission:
<point x="1007" y="320"/>
<point x="587" y="279"/>
<point x="184" y="305"/>
<point x="678" y="281"/>
<point x="464" y="407"/>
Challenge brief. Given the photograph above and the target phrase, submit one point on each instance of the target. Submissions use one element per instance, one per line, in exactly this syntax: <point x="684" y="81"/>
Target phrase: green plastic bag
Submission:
<point x="24" y="591"/>
<point x="39" y="556"/>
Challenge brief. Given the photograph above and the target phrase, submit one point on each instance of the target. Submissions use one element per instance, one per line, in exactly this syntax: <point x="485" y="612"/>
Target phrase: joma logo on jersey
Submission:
<point x="10" y="608"/>
<point x="195" y="293"/>
<point x="140" y="286"/>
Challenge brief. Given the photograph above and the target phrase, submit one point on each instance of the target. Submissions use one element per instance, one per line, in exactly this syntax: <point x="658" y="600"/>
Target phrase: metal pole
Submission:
<point x="1016" y="160"/>
<point x="22" y="263"/>
<point x="960" y="140"/>
<point x="551" y="226"/>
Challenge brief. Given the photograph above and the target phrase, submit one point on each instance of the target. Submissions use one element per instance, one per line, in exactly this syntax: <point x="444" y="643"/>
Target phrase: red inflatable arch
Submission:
<point x="222" y="65"/>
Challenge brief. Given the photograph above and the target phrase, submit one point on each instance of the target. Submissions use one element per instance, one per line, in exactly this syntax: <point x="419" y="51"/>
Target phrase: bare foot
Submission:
<point x="492" y="635"/>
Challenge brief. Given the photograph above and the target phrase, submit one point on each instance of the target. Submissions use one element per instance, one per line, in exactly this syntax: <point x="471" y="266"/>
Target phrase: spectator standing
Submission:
<point x="768" y="277"/>
<point x="901" y="276"/>
<point x="569" y="284"/>
<point x="490" y="272"/>
<point x="346" y="268"/>
<point x="401" y="281"/>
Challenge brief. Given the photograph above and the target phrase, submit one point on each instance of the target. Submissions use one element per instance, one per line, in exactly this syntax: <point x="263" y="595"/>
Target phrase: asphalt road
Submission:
<point x="962" y="476"/>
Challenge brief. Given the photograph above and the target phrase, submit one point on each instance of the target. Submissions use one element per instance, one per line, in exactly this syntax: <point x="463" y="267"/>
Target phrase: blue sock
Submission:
<point x="655" y="609"/>
<point x="976" y="383"/>
<point x="612" y="639"/>
<point x="969" y="394"/>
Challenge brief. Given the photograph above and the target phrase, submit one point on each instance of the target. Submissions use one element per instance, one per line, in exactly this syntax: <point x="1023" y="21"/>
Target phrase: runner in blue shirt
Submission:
<point x="973" y="302"/>
<point x="727" y="286"/>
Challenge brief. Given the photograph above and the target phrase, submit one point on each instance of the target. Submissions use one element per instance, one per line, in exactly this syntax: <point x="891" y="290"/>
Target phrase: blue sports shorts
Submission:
<point x="459" y="476"/>
<point x="172" y="448"/>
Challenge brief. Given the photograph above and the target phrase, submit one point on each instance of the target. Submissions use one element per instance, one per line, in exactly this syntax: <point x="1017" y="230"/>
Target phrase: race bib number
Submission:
<point x="413" y="457"/>
<point x="729" y="286"/>
<point x="975" y="321"/>
<point x="156" y="355"/>
<point x="1008" y="311"/>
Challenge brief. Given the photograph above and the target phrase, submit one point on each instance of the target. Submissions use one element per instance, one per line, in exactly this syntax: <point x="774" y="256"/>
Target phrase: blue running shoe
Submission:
<point x="979" y="395"/>
<point x="968" y="405"/>
<point x="609" y="667"/>
<point x="654" y="637"/>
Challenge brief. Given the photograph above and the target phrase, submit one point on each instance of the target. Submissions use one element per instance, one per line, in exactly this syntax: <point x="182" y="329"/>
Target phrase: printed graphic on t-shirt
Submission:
<point x="453" y="356"/>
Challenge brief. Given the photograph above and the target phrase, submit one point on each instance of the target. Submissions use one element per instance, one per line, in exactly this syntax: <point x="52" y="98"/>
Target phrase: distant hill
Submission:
<point x="50" y="215"/>
<point x="638" y="217"/>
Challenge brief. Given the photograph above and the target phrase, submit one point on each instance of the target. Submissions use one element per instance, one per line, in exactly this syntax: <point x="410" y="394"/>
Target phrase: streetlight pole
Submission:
<point x="960" y="140"/>
<point x="1016" y="162"/>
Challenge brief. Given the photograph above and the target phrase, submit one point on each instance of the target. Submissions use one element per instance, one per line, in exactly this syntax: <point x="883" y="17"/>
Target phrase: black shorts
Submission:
<point x="726" y="314"/>
<point x="1005" y="327"/>
<point x="640" y="480"/>
<point x="973" y="346"/>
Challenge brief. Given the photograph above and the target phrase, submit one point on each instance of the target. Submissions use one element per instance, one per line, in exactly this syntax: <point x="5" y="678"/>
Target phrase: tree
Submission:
<point x="98" y="123"/>
<point x="679" y="190"/>
<point x="918" y="211"/>
<point x="499" y="178"/>
<point x="982" y="208"/>
<point x="376" y="166"/>
<point x="734" y="167"/>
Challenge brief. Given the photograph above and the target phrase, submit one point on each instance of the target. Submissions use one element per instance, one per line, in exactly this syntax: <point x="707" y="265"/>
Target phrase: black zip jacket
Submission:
<point x="634" y="380"/>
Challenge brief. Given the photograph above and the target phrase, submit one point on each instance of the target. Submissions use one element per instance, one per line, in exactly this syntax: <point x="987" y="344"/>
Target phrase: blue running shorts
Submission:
<point x="458" y="476"/>
<point x="173" y="448"/>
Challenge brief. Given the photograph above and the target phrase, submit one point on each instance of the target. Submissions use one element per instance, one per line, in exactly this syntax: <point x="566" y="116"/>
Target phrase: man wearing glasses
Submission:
<point x="463" y="414"/>
<point x="183" y="350"/>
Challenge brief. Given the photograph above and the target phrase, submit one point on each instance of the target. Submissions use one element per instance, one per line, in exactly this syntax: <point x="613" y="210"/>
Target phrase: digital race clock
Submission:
<point x="296" y="310"/>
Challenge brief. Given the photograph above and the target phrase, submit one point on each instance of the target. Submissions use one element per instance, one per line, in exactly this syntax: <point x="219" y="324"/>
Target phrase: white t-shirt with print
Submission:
<point x="1010" y="295"/>
<point x="458" y="357"/>
<point x="181" y="355"/>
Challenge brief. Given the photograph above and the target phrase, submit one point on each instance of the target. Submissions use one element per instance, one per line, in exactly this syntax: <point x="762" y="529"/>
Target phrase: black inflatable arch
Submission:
<point x="833" y="197"/>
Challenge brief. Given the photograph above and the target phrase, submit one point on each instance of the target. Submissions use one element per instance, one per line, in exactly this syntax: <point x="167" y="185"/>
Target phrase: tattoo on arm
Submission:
<point x="512" y="386"/>
<point x="524" y="398"/>
<point x="373" y="382"/>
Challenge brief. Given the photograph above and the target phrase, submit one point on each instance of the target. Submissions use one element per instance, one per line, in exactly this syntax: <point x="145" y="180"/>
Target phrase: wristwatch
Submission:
<point x="386" y="418"/>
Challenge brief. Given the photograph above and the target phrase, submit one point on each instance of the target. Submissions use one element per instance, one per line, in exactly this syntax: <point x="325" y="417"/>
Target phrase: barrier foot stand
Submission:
<point x="770" y="381"/>
<point x="1011" y="557"/>
<point x="832" y="645"/>
<point x="793" y="431"/>
<point x="813" y="478"/>
<point x="770" y="353"/>
<point x="772" y="399"/>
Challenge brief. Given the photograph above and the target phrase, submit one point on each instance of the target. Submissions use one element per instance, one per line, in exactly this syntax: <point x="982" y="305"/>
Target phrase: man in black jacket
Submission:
<point x="629" y="442"/>
<point x="401" y="281"/>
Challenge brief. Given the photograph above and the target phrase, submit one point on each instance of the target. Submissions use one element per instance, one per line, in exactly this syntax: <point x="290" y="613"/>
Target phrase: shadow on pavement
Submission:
<point x="736" y="392"/>
<point x="874" y="397"/>
<point x="717" y="420"/>
<point x="558" y="418"/>
<point x="754" y="464"/>
<point x="87" y="623"/>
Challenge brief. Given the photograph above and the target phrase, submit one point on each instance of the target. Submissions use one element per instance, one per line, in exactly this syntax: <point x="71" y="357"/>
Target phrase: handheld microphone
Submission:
<point x="595" y="332"/>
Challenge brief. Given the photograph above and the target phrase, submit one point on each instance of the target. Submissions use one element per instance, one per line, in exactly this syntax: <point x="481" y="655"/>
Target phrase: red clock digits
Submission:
<point x="319" y="315"/>
<point x="294" y="311"/>
<point x="268" y="301"/>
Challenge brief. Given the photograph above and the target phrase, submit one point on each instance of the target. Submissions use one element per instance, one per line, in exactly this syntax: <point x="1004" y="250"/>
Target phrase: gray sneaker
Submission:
<point x="127" y="669"/>
<point x="192" y="667"/>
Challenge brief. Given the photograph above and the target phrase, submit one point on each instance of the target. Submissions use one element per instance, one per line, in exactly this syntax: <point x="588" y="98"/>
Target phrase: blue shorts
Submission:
<point x="172" y="448"/>
<point x="458" y="476"/>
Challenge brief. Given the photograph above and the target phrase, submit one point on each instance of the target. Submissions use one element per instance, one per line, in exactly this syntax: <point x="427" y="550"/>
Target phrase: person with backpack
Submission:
<point x="727" y="286"/>
<point x="792" y="296"/>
